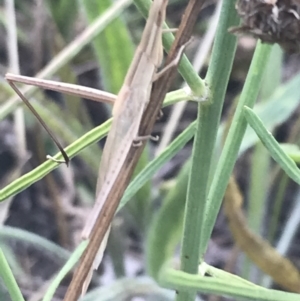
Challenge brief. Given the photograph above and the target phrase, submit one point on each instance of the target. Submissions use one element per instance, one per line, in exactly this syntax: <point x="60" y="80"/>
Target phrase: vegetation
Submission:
<point x="190" y="203"/>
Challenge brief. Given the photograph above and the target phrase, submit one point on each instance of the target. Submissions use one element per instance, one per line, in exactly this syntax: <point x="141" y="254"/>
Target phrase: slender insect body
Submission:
<point x="128" y="110"/>
<point x="129" y="107"/>
<point x="125" y="130"/>
<point x="106" y="181"/>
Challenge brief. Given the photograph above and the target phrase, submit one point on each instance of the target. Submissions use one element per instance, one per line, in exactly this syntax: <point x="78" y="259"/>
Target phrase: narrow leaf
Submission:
<point x="286" y="163"/>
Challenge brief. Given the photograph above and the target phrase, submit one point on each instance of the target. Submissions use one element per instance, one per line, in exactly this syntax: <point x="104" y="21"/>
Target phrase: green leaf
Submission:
<point x="292" y="150"/>
<point x="28" y="238"/>
<point x="194" y="239"/>
<point x="68" y="266"/>
<point x="63" y="12"/>
<point x="9" y="280"/>
<point x="166" y="228"/>
<point x="113" y="47"/>
<point x="38" y="173"/>
<point x="233" y="141"/>
<point x="230" y="287"/>
<point x="277" y="153"/>
<point x="276" y="110"/>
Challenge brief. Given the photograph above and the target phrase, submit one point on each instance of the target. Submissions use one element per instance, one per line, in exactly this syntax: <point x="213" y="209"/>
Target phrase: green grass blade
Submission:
<point x="207" y="127"/>
<point x="64" y="13"/>
<point x="9" y="280"/>
<point x="179" y="280"/>
<point x="233" y="141"/>
<point x="273" y="147"/>
<point x="166" y="229"/>
<point x="28" y="238"/>
<point x="260" y="161"/>
<point x="292" y="150"/>
<point x="38" y="173"/>
<point x="65" y="270"/>
<point x="41" y="243"/>
<point x="113" y="47"/>
<point x="276" y="110"/>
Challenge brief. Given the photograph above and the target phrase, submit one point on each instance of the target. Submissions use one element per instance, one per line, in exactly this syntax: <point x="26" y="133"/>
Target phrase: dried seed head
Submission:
<point x="272" y="21"/>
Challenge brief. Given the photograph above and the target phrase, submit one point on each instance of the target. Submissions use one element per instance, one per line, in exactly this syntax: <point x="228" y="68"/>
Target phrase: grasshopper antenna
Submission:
<point x="35" y="113"/>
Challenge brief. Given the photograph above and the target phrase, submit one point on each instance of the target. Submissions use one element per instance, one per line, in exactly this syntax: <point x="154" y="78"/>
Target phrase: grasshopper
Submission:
<point x="128" y="110"/>
<point x="129" y="106"/>
<point x="127" y="113"/>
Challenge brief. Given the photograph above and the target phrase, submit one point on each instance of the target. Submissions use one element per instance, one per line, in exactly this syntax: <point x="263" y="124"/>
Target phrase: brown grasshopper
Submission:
<point x="128" y="110"/>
